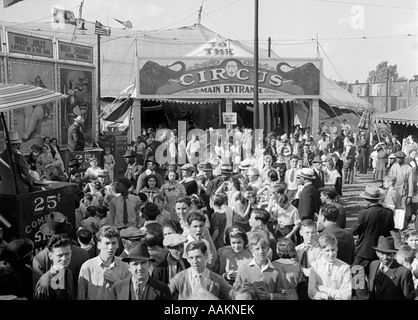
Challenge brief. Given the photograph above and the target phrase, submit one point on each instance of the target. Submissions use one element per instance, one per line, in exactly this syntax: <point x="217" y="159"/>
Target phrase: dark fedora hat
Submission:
<point x="385" y="244"/>
<point x="56" y="223"/>
<point x="138" y="251"/>
<point x="151" y="210"/>
<point x="129" y="153"/>
<point x="152" y="159"/>
<point x="372" y="193"/>
<point x="18" y="250"/>
<point x="207" y="167"/>
<point x="73" y="162"/>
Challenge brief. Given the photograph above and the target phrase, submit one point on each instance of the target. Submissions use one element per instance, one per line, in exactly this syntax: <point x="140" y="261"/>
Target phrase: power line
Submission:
<point x="367" y="4"/>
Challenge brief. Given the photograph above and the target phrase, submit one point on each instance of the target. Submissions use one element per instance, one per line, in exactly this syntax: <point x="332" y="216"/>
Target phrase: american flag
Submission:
<point x="100" y="29"/>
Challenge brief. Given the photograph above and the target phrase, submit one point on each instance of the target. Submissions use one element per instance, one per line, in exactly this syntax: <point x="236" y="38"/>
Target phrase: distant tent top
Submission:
<point x="407" y="116"/>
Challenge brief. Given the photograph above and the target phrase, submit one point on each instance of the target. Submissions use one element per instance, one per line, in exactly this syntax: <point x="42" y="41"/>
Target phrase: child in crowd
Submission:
<point x="164" y="215"/>
<point x="109" y="164"/>
<point x="279" y="188"/>
<point x="196" y="207"/>
<point x="287" y="258"/>
<point x="330" y="278"/>
<point x="234" y="253"/>
<point x="86" y="242"/>
<point x="392" y="198"/>
<point x="308" y="252"/>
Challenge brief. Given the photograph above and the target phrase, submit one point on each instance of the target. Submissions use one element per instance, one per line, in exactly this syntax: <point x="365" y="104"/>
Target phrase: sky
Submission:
<point x="352" y="37"/>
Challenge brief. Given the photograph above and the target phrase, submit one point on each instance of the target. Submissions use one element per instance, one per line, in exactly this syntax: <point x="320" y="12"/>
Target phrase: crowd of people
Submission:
<point x="230" y="222"/>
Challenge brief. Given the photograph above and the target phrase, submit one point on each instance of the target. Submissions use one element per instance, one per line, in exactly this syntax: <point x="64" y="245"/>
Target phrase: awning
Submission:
<point x="14" y="96"/>
<point x="407" y="116"/>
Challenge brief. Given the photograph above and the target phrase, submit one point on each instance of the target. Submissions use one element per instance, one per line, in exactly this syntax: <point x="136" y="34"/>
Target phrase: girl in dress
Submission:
<point x="286" y="252"/>
<point x="150" y="188"/>
<point x="234" y="254"/>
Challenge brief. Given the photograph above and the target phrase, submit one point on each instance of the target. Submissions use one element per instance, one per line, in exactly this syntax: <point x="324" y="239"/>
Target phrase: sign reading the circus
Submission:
<point x="229" y="78"/>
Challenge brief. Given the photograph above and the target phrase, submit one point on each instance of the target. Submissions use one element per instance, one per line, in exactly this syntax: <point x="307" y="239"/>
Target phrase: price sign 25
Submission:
<point x="48" y="203"/>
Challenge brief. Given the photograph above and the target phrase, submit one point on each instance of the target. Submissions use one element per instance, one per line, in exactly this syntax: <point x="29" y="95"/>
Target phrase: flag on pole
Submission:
<point x="64" y="16"/>
<point x="9" y="3"/>
<point x="101" y="30"/>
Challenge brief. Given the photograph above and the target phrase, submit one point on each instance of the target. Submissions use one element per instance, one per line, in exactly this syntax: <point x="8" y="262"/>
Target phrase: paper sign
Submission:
<point x="229" y="117"/>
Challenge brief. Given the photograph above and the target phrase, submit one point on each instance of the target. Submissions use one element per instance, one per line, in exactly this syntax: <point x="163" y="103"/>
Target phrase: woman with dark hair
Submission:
<point x="44" y="159"/>
<point x="150" y="188"/>
<point x="47" y="143"/>
<point x="171" y="227"/>
<point x="218" y="221"/>
<point x="234" y="253"/>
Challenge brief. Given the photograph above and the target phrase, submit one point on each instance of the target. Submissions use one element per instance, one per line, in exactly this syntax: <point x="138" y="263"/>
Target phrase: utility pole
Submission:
<point x="269" y="47"/>
<point x="387" y="89"/>
<point x="255" y="109"/>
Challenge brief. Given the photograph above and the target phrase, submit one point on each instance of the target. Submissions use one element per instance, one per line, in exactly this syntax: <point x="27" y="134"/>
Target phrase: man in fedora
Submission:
<point x="133" y="169"/>
<point x="151" y="168"/>
<point x="389" y="280"/>
<point x="209" y="184"/>
<point x="372" y="222"/>
<point x="140" y="285"/>
<point x="57" y="223"/>
<point x="175" y="262"/>
<point x="75" y="138"/>
<point x="404" y="184"/>
<point x="74" y="173"/>
<point x="309" y="198"/>
<point x="24" y="180"/>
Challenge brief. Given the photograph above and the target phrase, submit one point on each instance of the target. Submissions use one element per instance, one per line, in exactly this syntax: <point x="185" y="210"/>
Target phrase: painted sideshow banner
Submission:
<point x="77" y="83"/>
<point x="35" y="122"/>
<point x="229" y="78"/>
<point x="2" y="80"/>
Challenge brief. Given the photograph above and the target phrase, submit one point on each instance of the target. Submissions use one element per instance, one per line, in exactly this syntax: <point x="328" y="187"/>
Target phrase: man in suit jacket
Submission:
<point x="210" y="184"/>
<point x="140" y="285"/>
<point x="318" y="182"/>
<point x="346" y="247"/>
<point x="388" y="280"/>
<point x="309" y="197"/>
<point x="372" y="222"/>
<point x="198" y="278"/>
<point x="175" y="263"/>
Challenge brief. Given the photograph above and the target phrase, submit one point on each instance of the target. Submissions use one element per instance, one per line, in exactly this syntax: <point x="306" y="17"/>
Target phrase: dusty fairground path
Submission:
<point x="351" y="200"/>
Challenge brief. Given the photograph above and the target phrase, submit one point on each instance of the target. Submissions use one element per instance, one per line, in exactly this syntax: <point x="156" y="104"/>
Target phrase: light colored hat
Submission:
<point x="372" y="193"/>
<point x="14" y="137"/>
<point x="80" y="120"/>
<point x="244" y="164"/>
<point x="173" y="240"/>
<point x="307" y="173"/>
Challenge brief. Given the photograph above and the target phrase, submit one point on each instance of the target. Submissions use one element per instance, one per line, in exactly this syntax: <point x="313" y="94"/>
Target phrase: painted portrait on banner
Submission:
<point x="35" y="122"/>
<point x="77" y="83"/>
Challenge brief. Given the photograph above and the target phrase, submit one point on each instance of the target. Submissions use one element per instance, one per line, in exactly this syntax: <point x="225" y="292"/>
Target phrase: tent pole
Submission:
<point x="10" y="154"/>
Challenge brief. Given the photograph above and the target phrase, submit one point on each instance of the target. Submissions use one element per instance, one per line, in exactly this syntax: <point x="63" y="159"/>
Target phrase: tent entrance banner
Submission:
<point x="201" y="77"/>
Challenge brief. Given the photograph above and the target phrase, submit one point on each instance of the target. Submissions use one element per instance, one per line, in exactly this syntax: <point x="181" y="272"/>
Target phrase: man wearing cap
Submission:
<point x="75" y="138"/>
<point x="151" y="168"/>
<point x="24" y="179"/>
<point x="319" y="174"/>
<point x="175" y="262"/>
<point x="57" y="223"/>
<point x="139" y="285"/>
<point x="373" y="221"/>
<point x="404" y="184"/>
<point x="209" y="184"/>
<point x="363" y="149"/>
<point x="389" y="280"/>
<point x="133" y="169"/>
<point x="124" y="209"/>
<point x="57" y="283"/>
<point x="308" y="204"/>
<point x="129" y="236"/>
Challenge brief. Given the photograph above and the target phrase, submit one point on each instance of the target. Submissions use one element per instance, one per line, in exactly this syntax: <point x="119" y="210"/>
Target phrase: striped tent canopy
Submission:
<point x="14" y="96"/>
<point x="407" y="116"/>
